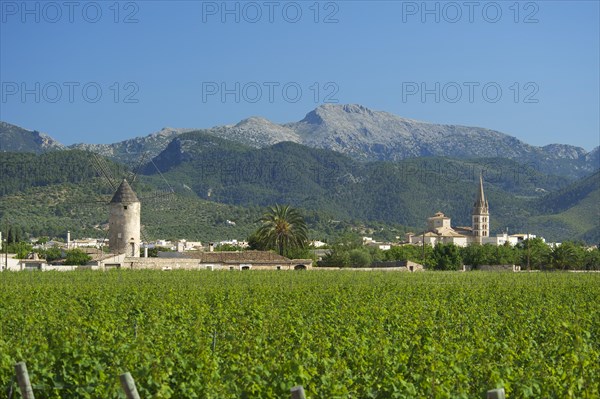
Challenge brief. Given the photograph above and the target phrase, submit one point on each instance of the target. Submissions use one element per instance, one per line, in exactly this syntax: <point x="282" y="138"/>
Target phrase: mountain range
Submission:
<point x="346" y="178"/>
<point x="354" y="130"/>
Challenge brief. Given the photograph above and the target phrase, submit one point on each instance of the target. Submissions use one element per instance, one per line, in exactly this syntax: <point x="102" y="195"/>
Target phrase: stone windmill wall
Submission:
<point x="124" y="222"/>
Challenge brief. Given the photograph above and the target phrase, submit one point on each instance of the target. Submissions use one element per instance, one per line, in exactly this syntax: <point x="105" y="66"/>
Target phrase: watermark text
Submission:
<point x="453" y="12"/>
<point x="68" y="92"/>
<point x="469" y="92"/>
<point x="68" y="11"/>
<point x="253" y="12"/>
<point x="271" y="92"/>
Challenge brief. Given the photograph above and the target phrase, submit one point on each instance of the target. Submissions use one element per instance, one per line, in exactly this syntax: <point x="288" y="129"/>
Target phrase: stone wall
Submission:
<point x="494" y="268"/>
<point x="197" y="264"/>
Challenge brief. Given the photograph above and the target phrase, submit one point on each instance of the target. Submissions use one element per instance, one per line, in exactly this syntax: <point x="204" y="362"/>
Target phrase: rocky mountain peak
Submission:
<point x="334" y="113"/>
<point x="168" y="131"/>
<point x="15" y="138"/>
<point x="564" y="151"/>
<point x="312" y="118"/>
<point x="351" y="129"/>
<point x="356" y="109"/>
<point x="254" y="121"/>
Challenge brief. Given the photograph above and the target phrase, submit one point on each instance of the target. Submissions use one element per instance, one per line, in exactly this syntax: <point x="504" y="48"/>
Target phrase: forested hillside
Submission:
<point x="573" y="211"/>
<point x="215" y="180"/>
<point x="404" y="192"/>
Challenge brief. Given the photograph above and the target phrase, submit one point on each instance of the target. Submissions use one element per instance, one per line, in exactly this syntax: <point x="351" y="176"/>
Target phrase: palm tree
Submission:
<point x="283" y="228"/>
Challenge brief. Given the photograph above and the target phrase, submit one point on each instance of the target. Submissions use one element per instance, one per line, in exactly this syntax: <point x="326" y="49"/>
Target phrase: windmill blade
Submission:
<point x="101" y="166"/>
<point x="87" y="203"/>
<point x="144" y="234"/>
<point x="103" y="241"/>
<point x="158" y="197"/>
<point x="133" y="175"/>
<point x="92" y="204"/>
<point x="161" y="175"/>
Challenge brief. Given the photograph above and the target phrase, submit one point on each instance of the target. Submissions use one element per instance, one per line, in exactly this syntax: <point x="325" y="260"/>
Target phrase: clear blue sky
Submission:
<point x="173" y="58"/>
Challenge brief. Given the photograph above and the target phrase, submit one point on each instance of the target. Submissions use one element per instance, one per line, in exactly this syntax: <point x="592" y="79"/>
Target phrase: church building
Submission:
<point x="440" y="230"/>
<point x="480" y="216"/>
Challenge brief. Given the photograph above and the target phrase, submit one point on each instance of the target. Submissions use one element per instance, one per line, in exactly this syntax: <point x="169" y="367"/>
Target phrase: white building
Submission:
<point x="500" y="239"/>
<point x="235" y="243"/>
<point x="440" y="230"/>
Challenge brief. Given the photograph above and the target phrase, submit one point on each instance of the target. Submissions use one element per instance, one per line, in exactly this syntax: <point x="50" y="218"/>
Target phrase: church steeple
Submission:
<point x="480" y="214"/>
<point x="481" y="202"/>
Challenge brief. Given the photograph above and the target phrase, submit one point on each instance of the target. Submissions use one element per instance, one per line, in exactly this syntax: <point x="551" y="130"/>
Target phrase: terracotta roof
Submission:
<point x="464" y="230"/>
<point x="441" y="233"/>
<point x="429" y="234"/>
<point x="237" y="256"/>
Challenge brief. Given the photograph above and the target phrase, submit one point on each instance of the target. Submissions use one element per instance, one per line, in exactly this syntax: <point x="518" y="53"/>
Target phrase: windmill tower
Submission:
<point x="124" y="220"/>
<point x="124" y="228"/>
<point x="480" y="215"/>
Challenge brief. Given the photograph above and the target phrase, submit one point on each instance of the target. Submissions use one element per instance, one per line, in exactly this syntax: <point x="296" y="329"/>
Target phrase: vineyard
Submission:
<point x="338" y="334"/>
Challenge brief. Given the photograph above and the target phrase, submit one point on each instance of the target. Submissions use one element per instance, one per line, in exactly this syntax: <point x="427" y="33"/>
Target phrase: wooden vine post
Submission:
<point x="128" y="385"/>
<point x="496" y="394"/>
<point x="298" y="392"/>
<point x="23" y="379"/>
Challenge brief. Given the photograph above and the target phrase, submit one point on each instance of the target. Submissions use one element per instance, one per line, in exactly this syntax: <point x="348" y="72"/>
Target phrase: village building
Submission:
<point x="317" y="244"/>
<point x="184" y="245"/>
<point x="235" y="243"/>
<point x="125" y="244"/>
<point x="440" y="230"/>
<point x="198" y="260"/>
<point x="370" y="242"/>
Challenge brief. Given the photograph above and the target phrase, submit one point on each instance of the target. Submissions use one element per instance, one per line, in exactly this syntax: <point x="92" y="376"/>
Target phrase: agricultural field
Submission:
<point x="340" y="334"/>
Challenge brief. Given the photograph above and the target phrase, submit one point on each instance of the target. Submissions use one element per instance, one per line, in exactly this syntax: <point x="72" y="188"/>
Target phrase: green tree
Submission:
<point x="360" y="257"/>
<point x="591" y="259"/>
<point x="301" y="253"/>
<point x="53" y="254"/>
<point x="446" y="257"/>
<point x="153" y="252"/>
<point x="42" y="240"/>
<point x="20" y="249"/>
<point x="349" y="240"/>
<point x="536" y="251"/>
<point x="283" y="228"/>
<point x="476" y="255"/>
<point x="337" y="257"/>
<point x="254" y="242"/>
<point x="566" y="256"/>
<point x="504" y="255"/>
<point x="227" y="248"/>
<point x="377" y="255"/>
<point x="77" y="257"/>
<point x="14" y="234"/>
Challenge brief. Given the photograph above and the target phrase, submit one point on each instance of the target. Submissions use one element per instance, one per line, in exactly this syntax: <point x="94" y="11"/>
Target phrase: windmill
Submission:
<point x="124" y="222"/>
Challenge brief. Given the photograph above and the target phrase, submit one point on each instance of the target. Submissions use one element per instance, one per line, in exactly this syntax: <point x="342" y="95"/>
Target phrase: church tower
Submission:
<point x="124" y="222"/>
<point x="480" y="215"/>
